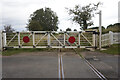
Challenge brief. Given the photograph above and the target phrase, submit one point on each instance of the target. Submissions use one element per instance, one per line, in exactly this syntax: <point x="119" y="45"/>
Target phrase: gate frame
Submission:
<point x="49" y="33"/>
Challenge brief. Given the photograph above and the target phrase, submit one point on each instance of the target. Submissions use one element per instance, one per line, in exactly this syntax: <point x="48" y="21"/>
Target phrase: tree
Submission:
<point x="8" y="28"/>
<point x="75" y="29"/>
<point x="43" y="20"/>
<point x="60" y="29"/>
<point x="68" y="29"/>
<point x="83" y="15"/>
<point x="114" y="25"/>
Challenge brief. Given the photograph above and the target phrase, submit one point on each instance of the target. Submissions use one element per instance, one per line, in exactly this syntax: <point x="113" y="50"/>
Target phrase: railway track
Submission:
<point x="61" y="68"/>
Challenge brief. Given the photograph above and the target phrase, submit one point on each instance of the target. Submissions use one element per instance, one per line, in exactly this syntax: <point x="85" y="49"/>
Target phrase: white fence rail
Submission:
<point x="110" y="38"/>
<point x="47" y="39"/>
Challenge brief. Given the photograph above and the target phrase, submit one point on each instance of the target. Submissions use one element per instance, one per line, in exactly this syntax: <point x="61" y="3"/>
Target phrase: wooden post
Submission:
<point x="19" y="39"/>
<point x="64" y="38"/>
<point x="79" y="39"/>
<point x="4" y="40"/>
<point x="94" y="41"/>
<point x="111" y="37"/>
<point x="1" y="45"/>
<point x="48" y="39"/>
<point x="33" y="35"/>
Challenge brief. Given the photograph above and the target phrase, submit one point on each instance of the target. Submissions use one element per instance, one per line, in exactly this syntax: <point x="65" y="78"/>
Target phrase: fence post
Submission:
<point x="111" y="37"/>
<point x="48" y="39"/>
<point x="4" y="40"/>
<point x="33" y="35"/>
<point x="19" y="39"/>
<point x="94" y="41"/>
<point x="1" y="41"/>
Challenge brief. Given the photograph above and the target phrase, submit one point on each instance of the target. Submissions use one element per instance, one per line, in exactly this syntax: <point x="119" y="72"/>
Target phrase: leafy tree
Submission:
<point x="114" y="25"/>
<point x="97" y="28"/>
<point x="83" y="15"/>
<point x="68" y="29"/>
<point x="8" y="28"/>
<point x="43" y="20"/>
<point x="75" y="29"/>
<point x="60" y="29"/>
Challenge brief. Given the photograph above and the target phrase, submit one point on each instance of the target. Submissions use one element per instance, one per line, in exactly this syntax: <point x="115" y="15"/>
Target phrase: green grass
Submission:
<point x="113" y="49"/>
<point x="10" y="52"/>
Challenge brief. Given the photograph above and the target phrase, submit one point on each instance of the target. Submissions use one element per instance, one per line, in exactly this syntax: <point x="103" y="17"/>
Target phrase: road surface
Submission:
<point x="46" y="65"/>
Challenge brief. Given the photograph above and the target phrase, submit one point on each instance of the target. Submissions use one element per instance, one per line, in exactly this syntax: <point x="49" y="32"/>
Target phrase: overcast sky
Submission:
<point x="17" y="12"/>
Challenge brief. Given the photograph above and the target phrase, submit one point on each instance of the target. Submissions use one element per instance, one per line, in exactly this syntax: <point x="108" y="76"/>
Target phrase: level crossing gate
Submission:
<point x="49" y="39"/>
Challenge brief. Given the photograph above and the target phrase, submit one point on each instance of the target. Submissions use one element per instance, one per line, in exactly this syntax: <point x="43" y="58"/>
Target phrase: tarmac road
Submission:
<point x="45" y="65"/>
<point x="105" y="63"/>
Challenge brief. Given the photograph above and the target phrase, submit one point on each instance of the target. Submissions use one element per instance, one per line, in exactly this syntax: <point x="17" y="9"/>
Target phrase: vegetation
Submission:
<point x="68" y="29"/>
<point x="114" y="28"/>
<point x="8" y="28"/>
<point x="113" y="49"/>
<point x="10" y="52"/>
<point x="83" y="15"/>
<point x="75" y="29"/>
<point x="43" y="20"/>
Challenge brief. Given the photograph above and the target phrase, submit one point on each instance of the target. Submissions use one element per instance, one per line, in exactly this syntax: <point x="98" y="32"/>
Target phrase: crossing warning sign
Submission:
<point x="71" y="39"/>
<point x="26" y="39"/>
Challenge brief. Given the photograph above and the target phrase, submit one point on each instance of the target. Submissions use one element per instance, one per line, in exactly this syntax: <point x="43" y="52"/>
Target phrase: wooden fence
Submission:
<point x="110" y="38"/>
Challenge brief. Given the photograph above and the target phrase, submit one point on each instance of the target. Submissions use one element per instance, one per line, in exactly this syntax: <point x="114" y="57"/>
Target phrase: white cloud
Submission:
<point x="17" y="12"/>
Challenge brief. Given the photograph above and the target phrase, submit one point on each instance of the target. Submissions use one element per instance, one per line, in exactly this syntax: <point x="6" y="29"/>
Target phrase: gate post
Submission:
<point x="19" y="39"/>
<point x="111" y="37"/>
<point x="48" y="39"/>
<point x="4" y="39"/>
<point x="94" y="41"/>
<point x="1" y="45"/>
<point x="33" y="35"/>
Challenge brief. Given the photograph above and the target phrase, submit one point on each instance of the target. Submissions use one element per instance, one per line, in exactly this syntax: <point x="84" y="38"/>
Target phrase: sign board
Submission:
<point x="71" y="39"/>
<point x="26" y="39"/>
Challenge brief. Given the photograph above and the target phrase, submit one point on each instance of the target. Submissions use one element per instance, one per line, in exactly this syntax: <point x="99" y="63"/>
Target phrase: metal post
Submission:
<point x="100" y="30"/>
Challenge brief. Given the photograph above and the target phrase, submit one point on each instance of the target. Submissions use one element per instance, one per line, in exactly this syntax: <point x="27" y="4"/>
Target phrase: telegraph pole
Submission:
<point x="100" y="28"/>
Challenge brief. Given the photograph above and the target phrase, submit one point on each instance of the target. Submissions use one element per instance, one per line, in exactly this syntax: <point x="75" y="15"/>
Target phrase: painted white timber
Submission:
<point x="11" y="39"/>
<point x="111" y="37"/>
<point x="87" y="39"/>
<point x="57" y="39"/>
<point x="64" y="39"/>
<point x="33" y="35"/>
<point x="48" y="39"/>
<point x="4" y="40"/>
<point x="94" y="41"/>
<point x="79" y="39"/>
<point x="1" y="45"/>
<point x="41" y="39"/>
<point x="18" y="39"/>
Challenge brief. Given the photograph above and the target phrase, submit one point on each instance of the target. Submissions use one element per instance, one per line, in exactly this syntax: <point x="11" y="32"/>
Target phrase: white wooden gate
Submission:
<point x="47" y="39"/>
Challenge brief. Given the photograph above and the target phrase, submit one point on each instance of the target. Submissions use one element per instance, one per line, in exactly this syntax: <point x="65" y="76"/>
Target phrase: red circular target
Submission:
<point x="71" y="39"/>
<point x="26" y="39"/>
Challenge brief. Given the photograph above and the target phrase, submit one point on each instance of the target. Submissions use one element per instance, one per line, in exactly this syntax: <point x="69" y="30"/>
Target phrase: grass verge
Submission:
<point x="113" y="49"/>
<point x="10" y="52"/>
